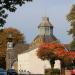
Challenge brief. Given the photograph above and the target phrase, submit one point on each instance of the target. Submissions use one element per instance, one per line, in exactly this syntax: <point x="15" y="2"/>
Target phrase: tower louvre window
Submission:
<point x="45" y="27"/>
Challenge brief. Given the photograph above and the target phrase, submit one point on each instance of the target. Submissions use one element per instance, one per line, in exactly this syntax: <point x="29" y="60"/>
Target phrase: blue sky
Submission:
<point x="29" y="16"/>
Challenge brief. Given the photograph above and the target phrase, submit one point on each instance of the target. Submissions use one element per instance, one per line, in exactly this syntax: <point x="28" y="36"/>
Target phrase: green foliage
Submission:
<point x="9" y="5"/>
<point x="71" y="15"/>
<point x="71" y="19"/>
<point x="55" y="72"/>
<point x="73" y="44"/>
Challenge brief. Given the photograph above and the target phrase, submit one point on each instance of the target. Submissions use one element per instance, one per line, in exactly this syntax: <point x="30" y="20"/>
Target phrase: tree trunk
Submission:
<point x="52" y="66"/>
<point x="52" y="62"/>
<point x="62" y="68"/>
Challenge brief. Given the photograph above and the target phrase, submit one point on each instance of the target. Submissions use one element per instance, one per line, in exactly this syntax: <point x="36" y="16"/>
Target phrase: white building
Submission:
<point x="28" y="62"/>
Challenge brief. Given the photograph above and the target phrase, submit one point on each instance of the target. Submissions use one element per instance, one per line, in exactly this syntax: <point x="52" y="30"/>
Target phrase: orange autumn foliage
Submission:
<point x="48" y="50"/>
<point x="18" y="37"/>
<point x="57" y="50"/>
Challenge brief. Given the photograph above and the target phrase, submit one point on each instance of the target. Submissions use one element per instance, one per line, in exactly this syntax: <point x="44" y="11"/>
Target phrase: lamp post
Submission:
<point x="9" y="52"/>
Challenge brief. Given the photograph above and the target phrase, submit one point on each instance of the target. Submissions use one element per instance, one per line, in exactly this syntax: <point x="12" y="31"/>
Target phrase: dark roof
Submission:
<point x="44" y="39"/>
<point x="49" y="38"/>
<point x="67" y="46"/>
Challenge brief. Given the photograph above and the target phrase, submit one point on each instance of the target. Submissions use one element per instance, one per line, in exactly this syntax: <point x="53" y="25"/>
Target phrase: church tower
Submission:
<point x="10" y="53"/>
<point x="45" y="27"/>
<point x="45" y="34"/>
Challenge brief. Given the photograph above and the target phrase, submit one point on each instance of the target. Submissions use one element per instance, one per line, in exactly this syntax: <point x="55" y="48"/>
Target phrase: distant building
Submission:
<point x="28" y="60"/>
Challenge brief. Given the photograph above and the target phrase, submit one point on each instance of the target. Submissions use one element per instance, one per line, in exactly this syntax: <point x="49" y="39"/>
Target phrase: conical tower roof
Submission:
<point x="45" y="22"/>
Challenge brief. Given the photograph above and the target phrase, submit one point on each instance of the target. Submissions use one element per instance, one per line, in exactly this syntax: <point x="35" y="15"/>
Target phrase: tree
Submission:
<point x="51" y="52"/>
<point x="71" y="19"/>
<point x="17" y="38"/>
<point x="17" y="35"/>
<point x="9" y="5"/>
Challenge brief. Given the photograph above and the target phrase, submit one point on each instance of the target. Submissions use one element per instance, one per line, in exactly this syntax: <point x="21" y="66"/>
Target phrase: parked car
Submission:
<point x="3" y="71"/>
<point x="11" y="72"/>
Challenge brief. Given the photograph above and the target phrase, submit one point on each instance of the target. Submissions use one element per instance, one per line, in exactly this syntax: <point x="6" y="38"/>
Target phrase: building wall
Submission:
<point x="30" y="62"/>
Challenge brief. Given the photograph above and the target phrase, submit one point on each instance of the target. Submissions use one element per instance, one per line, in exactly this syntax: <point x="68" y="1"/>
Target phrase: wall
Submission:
<point x="30" y="62"/>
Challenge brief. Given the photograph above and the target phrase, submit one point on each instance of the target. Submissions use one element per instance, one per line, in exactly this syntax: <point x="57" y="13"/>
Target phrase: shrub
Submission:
<point x="55" y="72"/>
